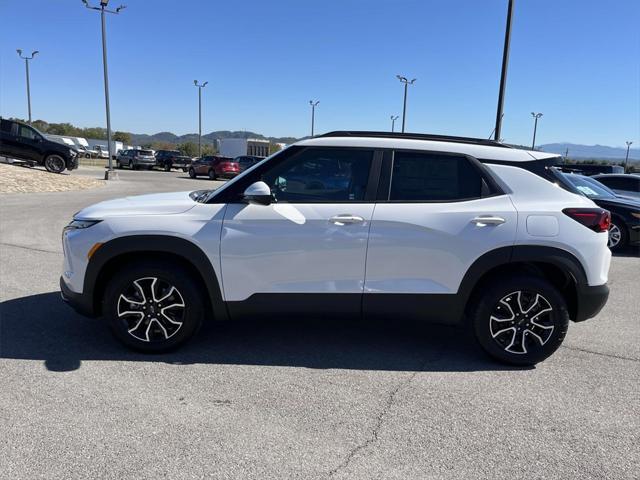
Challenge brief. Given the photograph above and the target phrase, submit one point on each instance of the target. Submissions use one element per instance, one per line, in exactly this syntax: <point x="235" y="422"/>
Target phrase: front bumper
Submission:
<point x="590" y="301"/>
<point x="83" y="304"/>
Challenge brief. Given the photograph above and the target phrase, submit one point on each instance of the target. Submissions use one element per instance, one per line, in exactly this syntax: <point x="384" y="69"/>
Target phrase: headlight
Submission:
<point x="80" y="224"/>
<point x="72" y="152"/>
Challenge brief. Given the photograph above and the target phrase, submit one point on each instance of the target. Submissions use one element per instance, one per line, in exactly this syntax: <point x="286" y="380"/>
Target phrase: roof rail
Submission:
<point x="415" y="136"/>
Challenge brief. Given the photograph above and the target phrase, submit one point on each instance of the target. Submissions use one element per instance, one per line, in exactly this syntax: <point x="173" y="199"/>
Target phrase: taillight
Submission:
<point x="597" y="219"/>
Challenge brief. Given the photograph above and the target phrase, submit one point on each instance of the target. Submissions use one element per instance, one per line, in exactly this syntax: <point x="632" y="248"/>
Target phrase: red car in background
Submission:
<point x="215" y="166"/>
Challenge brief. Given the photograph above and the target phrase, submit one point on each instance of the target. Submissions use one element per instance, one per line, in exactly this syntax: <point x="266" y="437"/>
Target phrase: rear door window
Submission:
<point x="433" y="177"/>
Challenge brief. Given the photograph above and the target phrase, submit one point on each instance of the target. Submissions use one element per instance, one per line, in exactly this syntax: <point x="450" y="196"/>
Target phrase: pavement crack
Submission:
<point x="29" y="248"/>
<point x="373" y="436"/>
<point x="610" y="355"/>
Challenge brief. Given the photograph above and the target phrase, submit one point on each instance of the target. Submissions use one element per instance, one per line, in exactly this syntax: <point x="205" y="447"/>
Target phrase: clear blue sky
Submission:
<point x="578" y="61"/>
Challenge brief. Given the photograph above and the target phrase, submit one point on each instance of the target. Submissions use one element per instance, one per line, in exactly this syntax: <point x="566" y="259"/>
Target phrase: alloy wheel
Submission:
<point x="521" y="321"/>
<point x="615" y="235"/>
<point x="152" y="309"/>
<point x="55" y="163"/>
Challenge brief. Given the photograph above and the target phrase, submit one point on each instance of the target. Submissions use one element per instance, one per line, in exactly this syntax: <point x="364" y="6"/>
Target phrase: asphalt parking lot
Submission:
<point x="298" y="399"/>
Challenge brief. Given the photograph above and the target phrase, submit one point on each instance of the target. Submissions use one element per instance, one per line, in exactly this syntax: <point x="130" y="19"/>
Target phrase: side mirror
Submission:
<point x="258" y="192"/>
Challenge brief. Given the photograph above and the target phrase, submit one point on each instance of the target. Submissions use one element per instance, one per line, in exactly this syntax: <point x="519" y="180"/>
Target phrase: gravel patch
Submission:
<point x="18" y="179"/>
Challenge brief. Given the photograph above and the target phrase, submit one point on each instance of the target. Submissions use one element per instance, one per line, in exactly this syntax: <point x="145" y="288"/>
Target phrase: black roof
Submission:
<point x="416" y="136"/>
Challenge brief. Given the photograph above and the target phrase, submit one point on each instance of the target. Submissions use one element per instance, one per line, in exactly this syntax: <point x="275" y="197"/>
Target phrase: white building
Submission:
<point x="235" y="147"/>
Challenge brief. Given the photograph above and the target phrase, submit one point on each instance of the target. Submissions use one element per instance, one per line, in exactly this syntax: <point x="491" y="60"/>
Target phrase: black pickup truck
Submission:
<point x="23" y="142"/>
<point x="168" y="159"/>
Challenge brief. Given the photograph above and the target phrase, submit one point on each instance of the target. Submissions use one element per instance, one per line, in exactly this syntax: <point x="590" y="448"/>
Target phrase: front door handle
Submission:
<point x="345" y="219"/>
<point x="483" y="221"/>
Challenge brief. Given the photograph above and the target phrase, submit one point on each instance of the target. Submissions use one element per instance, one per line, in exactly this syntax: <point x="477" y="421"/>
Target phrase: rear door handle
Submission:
<point x="345" y="219"/>
<point x="483" y="221"/>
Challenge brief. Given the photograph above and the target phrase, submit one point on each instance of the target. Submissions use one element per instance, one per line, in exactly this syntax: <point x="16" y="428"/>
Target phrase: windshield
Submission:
<point x="589" y="187"/>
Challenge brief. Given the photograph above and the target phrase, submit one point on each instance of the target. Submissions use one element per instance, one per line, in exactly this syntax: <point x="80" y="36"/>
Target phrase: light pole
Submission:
<point x="406" y="82"/>
<point x="393" y="122"/>
<point x="503" y="73"/>
<point x="26" y="64"/>
<point x="200" y="87"/>
<point x="109" y="174"/>
<point x="313" y="114"/>
<point x="536" y="116"/>
<point x="626" y="159"/>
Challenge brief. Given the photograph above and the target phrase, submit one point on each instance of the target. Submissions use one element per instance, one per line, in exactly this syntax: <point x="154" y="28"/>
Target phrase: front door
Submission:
<point x="306" y="251"/>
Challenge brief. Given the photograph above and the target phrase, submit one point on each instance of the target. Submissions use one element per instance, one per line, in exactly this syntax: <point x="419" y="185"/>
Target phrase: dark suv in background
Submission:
<point x="247" y="161"/>
<point x="23" y="142"/>
<point x="136" y="159"/>
<point x="168" y="159"/>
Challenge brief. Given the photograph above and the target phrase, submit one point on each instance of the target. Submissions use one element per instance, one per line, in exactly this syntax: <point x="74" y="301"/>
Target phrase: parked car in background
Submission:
<point x="101" y="151"/>
<point x="247" y="161"/>
<point x="625" y="212"/>
<point x="627" y="185"/>
<point x="135" y="159"/>
<point x="168" y="159"/>
<point x="23" y="142"/>
<point x="214" y="166"/>
<point x="83" y="152"/>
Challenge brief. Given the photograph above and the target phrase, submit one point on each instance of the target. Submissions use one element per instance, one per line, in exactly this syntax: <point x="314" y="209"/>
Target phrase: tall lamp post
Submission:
<point x="109" y="174"/>
<point x="536" y="116"/>
<point x="626" y="159"/>
<point x="503" y="73"/>
<point x="313" y="114"/>
<point x="26" y="64"/>
<point x="200" y="87"/>
<point x="406" y="82"/>
<point x="393" y="122"/>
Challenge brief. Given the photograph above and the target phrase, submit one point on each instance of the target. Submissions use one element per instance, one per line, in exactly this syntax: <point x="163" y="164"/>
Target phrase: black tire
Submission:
<point x="55" y="163"/>
<point x="512" y="321"/>
<point x="167" y="167"/>
<point x="118" y="164"/>
<point x="184" y="169"/>
<point x="192" y="173"/>
<point x="617" y="242"/>
<point x="169" y="329"/>
<point x="212" y="175"/>
<point x="130" y="165"/>
<point x="87" y="155"/>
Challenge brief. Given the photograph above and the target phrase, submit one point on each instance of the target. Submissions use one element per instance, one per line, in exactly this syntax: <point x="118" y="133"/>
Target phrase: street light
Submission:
<point x="26" y="63"/>
<point x="503" y="73"/>
<point x="313" y="114"/>
<point x="393" y="122"/>
<point x="626" y="159"/>
<point x="536" y="116"/>
<point x="103" y="9"/>
<point x="406" y="82"/>
<point x="200" y="87"/>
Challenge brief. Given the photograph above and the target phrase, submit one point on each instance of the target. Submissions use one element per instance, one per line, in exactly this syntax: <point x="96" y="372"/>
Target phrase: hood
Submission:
<point x="154" y="204"/>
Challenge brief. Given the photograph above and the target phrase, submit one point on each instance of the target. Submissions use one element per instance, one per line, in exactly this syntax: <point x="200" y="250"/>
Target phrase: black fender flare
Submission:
<point x="505" y="256"/>
<point x="156" y="244"/>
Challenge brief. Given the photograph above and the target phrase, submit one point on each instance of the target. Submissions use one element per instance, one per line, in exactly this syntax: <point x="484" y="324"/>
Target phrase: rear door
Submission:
<point x="305" y="252"/>
<point x="436" y="214"/>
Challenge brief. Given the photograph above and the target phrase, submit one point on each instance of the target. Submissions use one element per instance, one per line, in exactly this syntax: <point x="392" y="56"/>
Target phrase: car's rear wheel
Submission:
<point x="520" y="320"/>
<point x="212" y="175"/>
<point x="153" y="307"/>
<point x="192" y="173"/>
<point x="167" y="167"/>
<point x="118" y="164"/>
<point x="54" y="163"/>
<point x="617" y="235"/>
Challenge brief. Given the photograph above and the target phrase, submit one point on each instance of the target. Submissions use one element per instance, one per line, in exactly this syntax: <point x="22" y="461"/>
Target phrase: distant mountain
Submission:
<point x="590" y="151"/>
<point x="142" y="139"/>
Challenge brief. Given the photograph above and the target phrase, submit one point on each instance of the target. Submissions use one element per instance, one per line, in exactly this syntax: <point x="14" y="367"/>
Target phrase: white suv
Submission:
<point x="443" y="229"/>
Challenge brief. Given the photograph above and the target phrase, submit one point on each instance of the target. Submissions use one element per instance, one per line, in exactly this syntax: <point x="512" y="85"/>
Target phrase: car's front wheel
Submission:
<point x="212" y="174"/>
<point x="152" y="307"/>
<point x="192" y="173"/>
<point x="520" y="320"/>
<point x="54" y="163"/>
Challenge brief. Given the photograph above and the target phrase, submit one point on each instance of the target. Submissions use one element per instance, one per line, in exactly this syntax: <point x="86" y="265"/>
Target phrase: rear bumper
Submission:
<point x="590" y="301"/>
<point x="79" y="302"/>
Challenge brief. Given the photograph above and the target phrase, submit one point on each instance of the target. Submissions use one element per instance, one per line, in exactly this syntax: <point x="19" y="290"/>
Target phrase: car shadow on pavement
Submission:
<point x="42" y="327"/>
